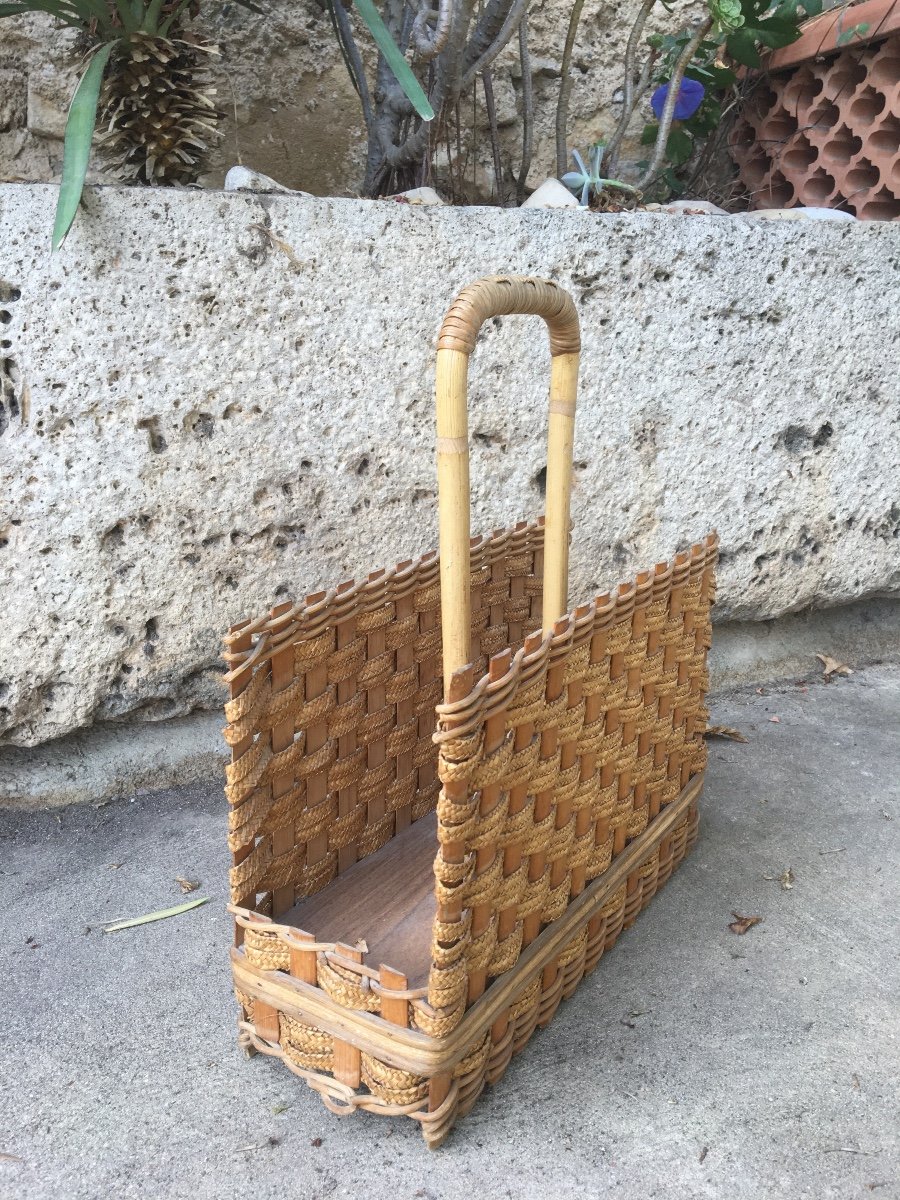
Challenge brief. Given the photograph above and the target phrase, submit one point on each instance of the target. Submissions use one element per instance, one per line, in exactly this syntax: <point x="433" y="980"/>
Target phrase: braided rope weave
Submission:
<point x="499" y="295"/>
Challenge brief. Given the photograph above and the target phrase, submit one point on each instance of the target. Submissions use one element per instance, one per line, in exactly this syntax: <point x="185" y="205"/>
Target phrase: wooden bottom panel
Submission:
<point x="386" y="901"/>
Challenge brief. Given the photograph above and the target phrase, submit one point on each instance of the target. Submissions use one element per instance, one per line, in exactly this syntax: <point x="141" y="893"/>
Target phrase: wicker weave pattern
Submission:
<point x="558" y="743"/>
<point x="548" y="766"/>
<point x="331" y="727"/>
<point x="310" y="1052"/>
<point x="553" y="765"/>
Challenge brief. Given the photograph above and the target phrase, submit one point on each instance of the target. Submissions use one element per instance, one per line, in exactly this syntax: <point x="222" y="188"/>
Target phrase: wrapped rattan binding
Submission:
<point x="413" y="896"/>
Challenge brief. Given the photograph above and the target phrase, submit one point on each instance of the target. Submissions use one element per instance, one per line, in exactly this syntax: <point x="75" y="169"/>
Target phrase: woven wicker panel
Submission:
<point x="555" y="761"/>
<point x="333" y="711"/>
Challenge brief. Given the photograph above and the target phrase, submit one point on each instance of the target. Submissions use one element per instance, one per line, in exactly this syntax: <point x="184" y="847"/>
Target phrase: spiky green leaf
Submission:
<point x="151" y="16"/>
<point x="77" y="144"/>
<point x="398" y="65"/>
<point x="126" y="16"/>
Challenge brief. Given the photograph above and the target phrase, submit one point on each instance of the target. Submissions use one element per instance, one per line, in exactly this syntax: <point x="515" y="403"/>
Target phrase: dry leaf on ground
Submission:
<point x="741" y="924"/>
<point x="831" y="666"/>
<point x="156" y="916"/>
<point x="267" y="1144"/>
<point x="725" y="731"/>
<point x="786" y="880"/>
<point x="10" y="1158"/>
<point x="775" y="720"/>
<point x="187" y="885"/>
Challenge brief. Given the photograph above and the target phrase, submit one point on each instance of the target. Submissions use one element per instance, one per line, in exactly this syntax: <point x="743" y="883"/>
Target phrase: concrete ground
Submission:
<point x="693" y="1063"/>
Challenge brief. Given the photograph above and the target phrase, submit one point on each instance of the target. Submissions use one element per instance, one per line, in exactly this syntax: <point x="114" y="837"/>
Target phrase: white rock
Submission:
<point x="798" y="214"/>
<point x="237" y="419"/>
<point x="244" y="179"/>
<point x="551" y="194"/>
<point x="422" y="195"/>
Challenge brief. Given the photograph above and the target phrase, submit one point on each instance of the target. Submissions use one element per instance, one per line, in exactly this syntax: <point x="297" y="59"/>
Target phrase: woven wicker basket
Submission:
<point x="564" y="772"/>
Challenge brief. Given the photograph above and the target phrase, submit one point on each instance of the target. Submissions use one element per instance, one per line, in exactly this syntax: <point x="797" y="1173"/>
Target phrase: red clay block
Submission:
<point x="825" y="131"/>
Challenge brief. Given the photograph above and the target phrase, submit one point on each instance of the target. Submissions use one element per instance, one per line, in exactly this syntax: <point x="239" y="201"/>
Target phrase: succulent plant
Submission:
<point x="590" y="181"/>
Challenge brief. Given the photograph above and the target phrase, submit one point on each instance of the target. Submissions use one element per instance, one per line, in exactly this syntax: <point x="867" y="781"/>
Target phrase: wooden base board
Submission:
<point x="386" y="901"/>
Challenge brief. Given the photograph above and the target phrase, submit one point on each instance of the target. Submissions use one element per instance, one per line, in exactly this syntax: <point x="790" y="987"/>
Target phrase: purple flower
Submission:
<point x="690" y="97"/>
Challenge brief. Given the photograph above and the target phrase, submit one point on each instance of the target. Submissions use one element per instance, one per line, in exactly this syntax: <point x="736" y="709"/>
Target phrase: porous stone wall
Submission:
<point x="216" y="402"/>
<point x="290" y="111"/>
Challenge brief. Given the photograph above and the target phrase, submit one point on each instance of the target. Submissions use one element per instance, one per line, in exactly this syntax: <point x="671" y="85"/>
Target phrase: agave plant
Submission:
<point x="148" y="88"/>
<point x="147" y="80"/>
<point x="589" y="180"/>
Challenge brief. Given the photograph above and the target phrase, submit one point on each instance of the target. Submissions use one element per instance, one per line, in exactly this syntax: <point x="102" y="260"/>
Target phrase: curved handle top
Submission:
<point x="497" y="296"/>
<point x="502" y="295"/>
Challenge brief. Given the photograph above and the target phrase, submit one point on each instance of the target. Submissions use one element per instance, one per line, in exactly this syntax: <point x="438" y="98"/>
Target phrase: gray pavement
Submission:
<point x="692" y="1063"/>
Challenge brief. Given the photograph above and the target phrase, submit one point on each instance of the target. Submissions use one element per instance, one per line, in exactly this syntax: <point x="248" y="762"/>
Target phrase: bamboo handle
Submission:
<point x="492" y="297"/>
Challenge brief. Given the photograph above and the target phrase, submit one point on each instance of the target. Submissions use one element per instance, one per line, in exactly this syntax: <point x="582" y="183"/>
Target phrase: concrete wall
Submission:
<point x="215" y="402"/>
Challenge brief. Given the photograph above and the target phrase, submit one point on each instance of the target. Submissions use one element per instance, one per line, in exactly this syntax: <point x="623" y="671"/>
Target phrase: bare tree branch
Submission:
<point x="489" y="19"/>
<point x="527" y="109"/>
<point x="516" y="11"/>
<point x="455" y="51"/>
<point x="629" y="99"/>
<point x="565" y="88"/>
<point x="495" y="140"/>
<point x="428" y="44"/>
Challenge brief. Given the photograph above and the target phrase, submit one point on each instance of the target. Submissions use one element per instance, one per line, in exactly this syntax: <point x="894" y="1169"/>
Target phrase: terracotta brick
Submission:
<point x="826" y="131"/>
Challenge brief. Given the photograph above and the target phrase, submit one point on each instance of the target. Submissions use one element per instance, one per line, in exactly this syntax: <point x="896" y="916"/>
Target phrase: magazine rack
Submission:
<point x="413" y="897"/>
